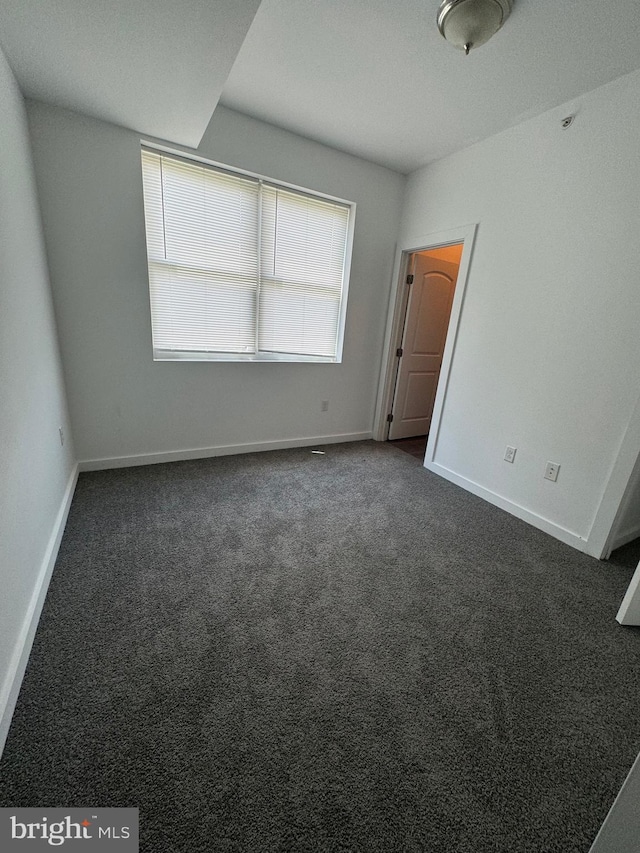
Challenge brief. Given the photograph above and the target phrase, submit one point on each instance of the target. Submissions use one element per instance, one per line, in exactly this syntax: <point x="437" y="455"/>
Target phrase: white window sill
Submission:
<point x="159" y="355"/>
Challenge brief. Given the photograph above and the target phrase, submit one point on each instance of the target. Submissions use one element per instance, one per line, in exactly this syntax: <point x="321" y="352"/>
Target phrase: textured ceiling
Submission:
<point x="157" y="66"/>
<point x="371" y="77"/>
<point x="376" y="78"/>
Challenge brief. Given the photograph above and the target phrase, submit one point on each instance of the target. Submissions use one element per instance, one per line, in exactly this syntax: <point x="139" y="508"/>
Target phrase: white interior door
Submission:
<point x="425" y="332"/>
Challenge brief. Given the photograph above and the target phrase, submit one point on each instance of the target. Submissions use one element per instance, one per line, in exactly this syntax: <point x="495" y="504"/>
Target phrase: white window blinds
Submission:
<point x="239" y="267"/>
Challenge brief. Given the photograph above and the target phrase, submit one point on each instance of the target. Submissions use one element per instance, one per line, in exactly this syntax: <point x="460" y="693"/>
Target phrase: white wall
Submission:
<point x="122" y="403"/>
<point x="547" y="359"/>
<point x="34" y="469"/>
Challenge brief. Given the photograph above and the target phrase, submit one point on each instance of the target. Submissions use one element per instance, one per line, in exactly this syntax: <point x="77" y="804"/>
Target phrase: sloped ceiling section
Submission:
<point x="376" y="78"/>
<point x="155" y="66"/>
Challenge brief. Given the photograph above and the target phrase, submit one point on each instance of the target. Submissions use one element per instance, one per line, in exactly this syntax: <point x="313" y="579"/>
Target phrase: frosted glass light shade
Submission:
<point x="470" y="23"/>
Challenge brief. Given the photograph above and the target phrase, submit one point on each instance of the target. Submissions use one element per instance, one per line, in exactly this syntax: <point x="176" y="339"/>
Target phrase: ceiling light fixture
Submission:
<point x="470" y="23"/>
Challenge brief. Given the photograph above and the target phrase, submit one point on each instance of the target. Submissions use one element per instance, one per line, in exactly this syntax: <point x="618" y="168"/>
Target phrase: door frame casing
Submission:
<point x="604" y="525"/>
<point x="398" y="298"/>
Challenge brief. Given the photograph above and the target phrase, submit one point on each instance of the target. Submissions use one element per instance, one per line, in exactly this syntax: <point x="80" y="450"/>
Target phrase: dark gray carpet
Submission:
<point x="343" y="652"/>
<point x="416" y="446"/>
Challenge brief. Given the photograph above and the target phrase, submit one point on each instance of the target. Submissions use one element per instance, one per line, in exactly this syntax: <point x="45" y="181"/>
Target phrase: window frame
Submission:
<point x="259" y="356"/>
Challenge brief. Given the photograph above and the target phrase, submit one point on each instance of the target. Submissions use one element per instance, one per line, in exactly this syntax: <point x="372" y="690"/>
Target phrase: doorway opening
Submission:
<point x="409" y="254"/>
<point x="431" y="279"/>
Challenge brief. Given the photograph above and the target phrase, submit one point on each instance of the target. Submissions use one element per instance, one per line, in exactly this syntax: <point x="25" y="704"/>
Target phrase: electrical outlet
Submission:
<point x="61" y="433"/>
<point x="324" y="406"/>
<point x="551" y="471"/>
<point x="510" y="454"/>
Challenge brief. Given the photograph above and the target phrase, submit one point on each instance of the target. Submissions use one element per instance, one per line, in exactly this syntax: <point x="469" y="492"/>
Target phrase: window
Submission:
<point x="242" y="268"/>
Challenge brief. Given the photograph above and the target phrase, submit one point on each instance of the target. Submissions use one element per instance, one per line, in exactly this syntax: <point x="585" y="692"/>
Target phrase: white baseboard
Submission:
<point x="222" y="450"/>
<point x="22" y="649"/>
<point x="550" y="527"/>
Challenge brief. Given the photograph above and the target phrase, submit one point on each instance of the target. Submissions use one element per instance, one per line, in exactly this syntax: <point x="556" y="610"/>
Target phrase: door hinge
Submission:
<point x="409" y="279"/>
<point x="389" y="418"/>
<point x="399" y="352"/>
